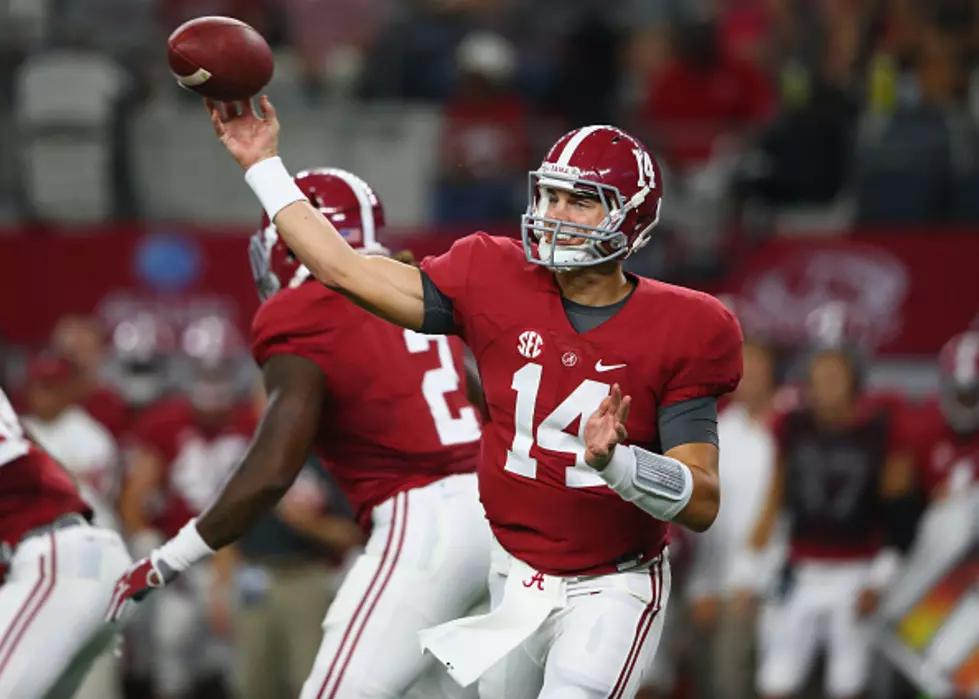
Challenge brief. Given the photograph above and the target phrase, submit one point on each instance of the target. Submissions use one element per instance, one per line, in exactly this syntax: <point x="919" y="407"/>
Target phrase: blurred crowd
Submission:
<point x="768" y="114"/>
<point x="151" y="416"/>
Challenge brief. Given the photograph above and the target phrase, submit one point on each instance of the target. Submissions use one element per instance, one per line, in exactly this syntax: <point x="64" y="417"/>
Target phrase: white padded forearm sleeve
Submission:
<point x="656" y="484"/>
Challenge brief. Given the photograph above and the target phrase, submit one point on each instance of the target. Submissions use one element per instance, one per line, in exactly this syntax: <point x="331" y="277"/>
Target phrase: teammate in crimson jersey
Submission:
<point x="845" y="476"/>
<point x="185" y="446"/>
<point x="82" y="339"/>
<point x="947" y="429"/>
<point x="398" y="416"/>
<point x="566" y="344"/>
<point x="386" y="410"/>
<point x="59" y="574"/>
<point x="182" y="458"/>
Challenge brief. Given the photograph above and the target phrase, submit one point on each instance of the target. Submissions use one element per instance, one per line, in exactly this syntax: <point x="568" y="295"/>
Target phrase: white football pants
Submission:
<point x="597" y="646"/>
<point x="52" y="607"/>
<point x="426" y="562"/>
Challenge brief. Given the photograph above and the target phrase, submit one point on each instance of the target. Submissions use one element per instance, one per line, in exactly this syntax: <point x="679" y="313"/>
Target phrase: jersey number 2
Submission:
<point x="582" y="402"/>
<point x="438" y="382"/>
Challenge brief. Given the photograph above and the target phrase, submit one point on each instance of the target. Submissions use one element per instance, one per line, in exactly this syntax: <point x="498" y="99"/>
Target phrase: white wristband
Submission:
<point x="273" y="185"/>
<point x="637" y="476"/>
<point x="185" y="549"/>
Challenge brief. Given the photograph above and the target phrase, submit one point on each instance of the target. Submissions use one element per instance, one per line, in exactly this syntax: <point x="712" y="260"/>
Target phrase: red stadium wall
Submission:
<point x="909" y="291"/>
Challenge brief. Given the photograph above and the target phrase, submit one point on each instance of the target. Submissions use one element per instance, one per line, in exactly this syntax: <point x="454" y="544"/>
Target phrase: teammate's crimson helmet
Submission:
<point x="832" y="328"/>
<point x="345" y="200"/>
<point x="143" y="344"/>
<point x="603" y="162"/>
<point x="212" y="348"/>
<point x="958" y="364"/>
<point x="211" y="339"/>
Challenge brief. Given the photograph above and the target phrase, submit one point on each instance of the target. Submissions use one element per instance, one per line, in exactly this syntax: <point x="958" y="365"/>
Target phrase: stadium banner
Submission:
<point x="904" y="293"/>
<point x="907" y="292"/>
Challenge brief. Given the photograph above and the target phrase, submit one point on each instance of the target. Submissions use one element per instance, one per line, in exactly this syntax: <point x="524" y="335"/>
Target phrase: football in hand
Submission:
<point x="220" y="57"/>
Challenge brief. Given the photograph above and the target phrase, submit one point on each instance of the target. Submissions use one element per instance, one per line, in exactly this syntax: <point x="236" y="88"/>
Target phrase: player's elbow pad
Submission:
<point x="659" y="485"/>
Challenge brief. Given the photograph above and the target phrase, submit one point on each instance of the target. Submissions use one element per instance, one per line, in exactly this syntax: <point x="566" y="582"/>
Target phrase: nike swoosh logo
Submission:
<point x="599" y="367"/>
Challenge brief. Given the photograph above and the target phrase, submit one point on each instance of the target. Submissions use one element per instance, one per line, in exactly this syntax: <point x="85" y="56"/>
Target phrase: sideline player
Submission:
<point x="184" y="446"/>
<point x="386" y="409"/>
<point x="59" y="572"/>
<point x="947" y="434"/>
<point x="847" y="481"/>
<point x="576" y="357"/>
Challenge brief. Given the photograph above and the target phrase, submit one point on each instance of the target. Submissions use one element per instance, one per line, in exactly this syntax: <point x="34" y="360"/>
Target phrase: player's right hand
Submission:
<point x="143" y="577"/>
<point x="250" y="138"/>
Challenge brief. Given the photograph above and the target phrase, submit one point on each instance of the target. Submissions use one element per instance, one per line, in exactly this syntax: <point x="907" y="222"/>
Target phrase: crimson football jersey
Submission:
<point x="34" y="488"/>
<point x="396" y="416"/>
<point x="943" y="456"/>
<point x="542" y="380"/>
<point x="109" y="409"/>
<point x="832" y="486"/>
<point x="197" y="461"/>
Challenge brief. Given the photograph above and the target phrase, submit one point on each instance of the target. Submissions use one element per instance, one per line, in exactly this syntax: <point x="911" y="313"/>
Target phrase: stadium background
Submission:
<point x="815" y="151"/>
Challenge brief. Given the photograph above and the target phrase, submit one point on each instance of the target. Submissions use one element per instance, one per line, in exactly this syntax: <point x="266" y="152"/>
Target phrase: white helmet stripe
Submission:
<point x="301" y="275"/>
<point x="575" y="141"/>
<point x="359" y="188"/>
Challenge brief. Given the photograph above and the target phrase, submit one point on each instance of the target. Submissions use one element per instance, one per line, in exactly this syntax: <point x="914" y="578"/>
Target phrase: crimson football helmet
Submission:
<point x="345" y="200"/>
<point x="832" y="328"/>
<point x="597" y="161"/>
<point x="142" y="344"/>
<point x="832" y="325"/>
<point x="213" y="349"/>
<point x="958" y="365"/>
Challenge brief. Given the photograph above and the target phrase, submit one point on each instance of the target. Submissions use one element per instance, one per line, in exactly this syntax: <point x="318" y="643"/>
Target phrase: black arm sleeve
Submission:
<point x="688" y="421"/>
<point x="439" y="315"/>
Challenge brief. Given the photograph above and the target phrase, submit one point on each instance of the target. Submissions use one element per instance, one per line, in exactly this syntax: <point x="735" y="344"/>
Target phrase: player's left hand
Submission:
<point x="144" y="576"/>
<point x="606" y="428"/>
<point x="867" y="601"/>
